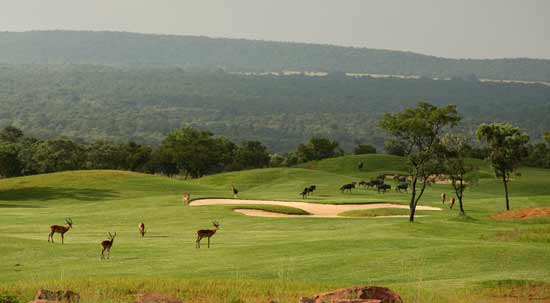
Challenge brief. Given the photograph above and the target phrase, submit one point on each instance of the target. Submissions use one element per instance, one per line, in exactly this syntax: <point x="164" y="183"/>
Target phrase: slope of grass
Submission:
<point x="440" y="258"/>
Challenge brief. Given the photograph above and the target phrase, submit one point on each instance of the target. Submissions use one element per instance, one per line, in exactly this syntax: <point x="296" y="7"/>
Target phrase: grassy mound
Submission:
<point x="433" y="260"/>
<point x="274" y="209"/>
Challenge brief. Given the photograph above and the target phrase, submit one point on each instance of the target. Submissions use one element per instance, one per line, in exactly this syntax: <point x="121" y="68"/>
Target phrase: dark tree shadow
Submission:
<point x="55" y="193"/>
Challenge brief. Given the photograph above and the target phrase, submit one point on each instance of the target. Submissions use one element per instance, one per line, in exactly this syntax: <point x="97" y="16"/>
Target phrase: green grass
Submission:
<point x="440" y="258"/>
<point x="378" y="212"/>
<point x="273" y="208"/>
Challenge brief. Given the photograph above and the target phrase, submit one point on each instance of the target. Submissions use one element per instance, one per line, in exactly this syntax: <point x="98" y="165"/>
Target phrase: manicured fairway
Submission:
<point x="440" y="258"/>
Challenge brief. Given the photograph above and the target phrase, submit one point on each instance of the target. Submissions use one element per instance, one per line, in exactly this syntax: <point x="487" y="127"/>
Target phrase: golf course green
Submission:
<point x="441" y="257"/>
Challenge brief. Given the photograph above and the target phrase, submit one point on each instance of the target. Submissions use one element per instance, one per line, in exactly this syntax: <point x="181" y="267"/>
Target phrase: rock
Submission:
<point x="67" y="296"/>
<point x="372" y="294"/>
<point x="157" y="298"/>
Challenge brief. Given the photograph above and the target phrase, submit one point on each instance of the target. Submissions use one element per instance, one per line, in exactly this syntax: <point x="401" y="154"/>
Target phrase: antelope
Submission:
<point x="60" y="229"/>
<point x="206" y="233"/>
<point x="107" y="244"/>
<point x="185" y="198"/>
<point x="452" y="202"/>
<point x="141" y="227"/>
<point x="443" y="198"/>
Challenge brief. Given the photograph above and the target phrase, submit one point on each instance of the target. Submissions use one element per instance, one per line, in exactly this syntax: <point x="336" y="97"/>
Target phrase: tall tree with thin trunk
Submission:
<point x="419" y="130"/>
<point x="507" y="147"/>
<point x="455" y="166"/>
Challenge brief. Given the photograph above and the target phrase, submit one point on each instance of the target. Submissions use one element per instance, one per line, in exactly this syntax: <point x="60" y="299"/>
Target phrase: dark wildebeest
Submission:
<point x="401" y="186"/>
<point x="362" y="183"/>
<point x="311" y="189"/>
<point x="347" y="187"/>
<point x="360" y="166"/>
<point x="402" y="179"/>
<point x="305" y="193"/>
<point x="375" y="182"/>
<point x="383" y="187"/>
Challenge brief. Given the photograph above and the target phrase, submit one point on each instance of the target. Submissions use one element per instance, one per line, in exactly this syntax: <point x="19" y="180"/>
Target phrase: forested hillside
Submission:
<point x="117" y="48"/>
<point x="88" y="102"/>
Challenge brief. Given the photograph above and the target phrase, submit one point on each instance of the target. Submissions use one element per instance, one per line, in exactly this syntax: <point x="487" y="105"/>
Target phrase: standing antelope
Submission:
<point x="107" y="244"/>
<point x="60" y="229"/>
<point x="206" y="233"/>
<point x="142" y="229"/>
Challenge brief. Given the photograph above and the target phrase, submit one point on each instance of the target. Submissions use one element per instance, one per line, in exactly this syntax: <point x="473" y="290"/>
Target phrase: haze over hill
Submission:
<point x="121" y="48"/>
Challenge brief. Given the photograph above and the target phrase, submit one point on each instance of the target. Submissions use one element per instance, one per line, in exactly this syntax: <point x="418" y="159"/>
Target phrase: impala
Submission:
<point x="60" y="229"/>
<point x="141" y="227"/>
<point x="107" y="244"/>
<point x="206" y="233"/>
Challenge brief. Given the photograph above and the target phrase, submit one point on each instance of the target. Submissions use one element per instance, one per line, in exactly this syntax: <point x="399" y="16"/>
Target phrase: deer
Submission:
<point x="141" y="227"/>
<point x="185" y="198"/>
<point x="206" y="233"/>
<point x="107" y="244"/>
<point x="60" y="229"/>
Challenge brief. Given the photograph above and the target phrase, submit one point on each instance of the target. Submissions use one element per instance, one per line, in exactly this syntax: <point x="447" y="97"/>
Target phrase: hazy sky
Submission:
<point x="449" y="28"/>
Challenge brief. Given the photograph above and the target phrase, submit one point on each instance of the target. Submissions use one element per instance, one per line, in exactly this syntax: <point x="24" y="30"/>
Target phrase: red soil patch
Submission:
<point x="527" y="213"/>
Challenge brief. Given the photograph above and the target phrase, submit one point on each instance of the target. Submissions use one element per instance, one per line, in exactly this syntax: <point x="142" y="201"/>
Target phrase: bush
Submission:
<point x="7" y="298"/>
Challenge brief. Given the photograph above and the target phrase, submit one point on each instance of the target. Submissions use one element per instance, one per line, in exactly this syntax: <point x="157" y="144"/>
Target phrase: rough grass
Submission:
<point x="442" y="257"/>
<point x="378" y="212"/>
<point x="273" y="208"/>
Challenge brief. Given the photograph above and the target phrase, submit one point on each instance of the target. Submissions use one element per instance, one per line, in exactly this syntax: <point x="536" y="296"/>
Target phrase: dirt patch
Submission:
<point x="523" y="214"/>
<point x="315" y="209"/>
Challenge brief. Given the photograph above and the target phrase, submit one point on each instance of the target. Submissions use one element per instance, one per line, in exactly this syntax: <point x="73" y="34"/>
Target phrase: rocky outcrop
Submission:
<point x="62" y="296"/>
<point x="372" y="294"/>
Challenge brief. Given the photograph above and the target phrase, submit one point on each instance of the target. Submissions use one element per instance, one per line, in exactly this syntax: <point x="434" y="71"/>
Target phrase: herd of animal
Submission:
<point x="107" y="244"/>
<point x="378" y="183"/>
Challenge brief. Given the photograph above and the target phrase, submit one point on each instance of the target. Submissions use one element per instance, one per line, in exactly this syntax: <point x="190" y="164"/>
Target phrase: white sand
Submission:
<point x="315" y="209"/>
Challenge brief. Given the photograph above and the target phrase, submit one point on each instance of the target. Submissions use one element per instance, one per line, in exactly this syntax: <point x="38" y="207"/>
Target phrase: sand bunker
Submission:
<point x="315" y="209"/>
<point x="527" y="213"/>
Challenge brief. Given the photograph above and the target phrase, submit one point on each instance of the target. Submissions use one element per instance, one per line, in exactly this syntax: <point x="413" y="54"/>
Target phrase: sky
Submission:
<point x="445" y="28"/>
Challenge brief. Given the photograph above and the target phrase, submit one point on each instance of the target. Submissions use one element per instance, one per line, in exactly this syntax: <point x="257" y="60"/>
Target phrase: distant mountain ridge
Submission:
<point x="122" y="48"/>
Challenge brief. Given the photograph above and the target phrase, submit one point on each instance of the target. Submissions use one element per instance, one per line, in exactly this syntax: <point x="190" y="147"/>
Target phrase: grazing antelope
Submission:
<point x="60" y="229"/>
<point x="142" y="229"/>
<point x="443" y="198"/>
<point x="107" y="244"/>
<point x="206" y="233"/>
<point x="185" y="198"/>
<point x="452" y="200"/>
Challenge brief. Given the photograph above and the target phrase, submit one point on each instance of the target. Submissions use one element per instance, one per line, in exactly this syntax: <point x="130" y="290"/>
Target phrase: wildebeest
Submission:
<point x="402" y="178"/>
<point x="443" y="198"/>
<point x="383" y="187"/>
<point x="375" y="182"/>
<point x="362" y="183"/>
<point x="347" y="187"/>
<point x="311" y="189"/>
<point x="401" y="186"/>
<point x="305" y="192"/>
<point x="360" y="166"/>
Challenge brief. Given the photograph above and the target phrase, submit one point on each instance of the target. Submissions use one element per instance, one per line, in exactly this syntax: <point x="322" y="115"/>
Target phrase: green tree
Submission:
<point x="10" y="160"/>
<point x="507" y="147"/>
<point x="58" y="155"/>
<point x="361" y="149"/>
<point x="394" y="147"/>
<point x="318" y="148"/>
<point x="252" y="154"/>
<point x="196" y="152"/>
<point x="10" y="134"/>
<point x="455" y="166"/>
<point x="419" y="130"/>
